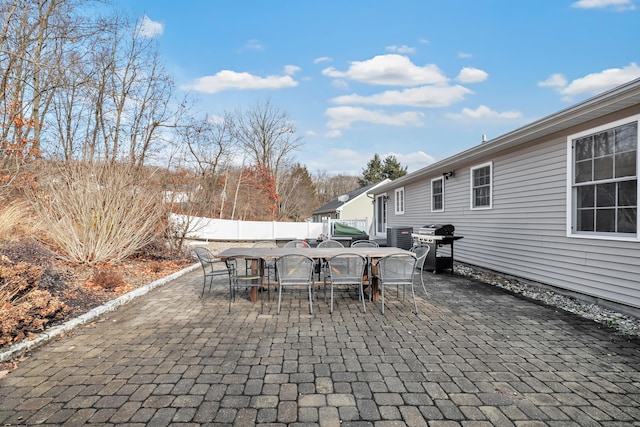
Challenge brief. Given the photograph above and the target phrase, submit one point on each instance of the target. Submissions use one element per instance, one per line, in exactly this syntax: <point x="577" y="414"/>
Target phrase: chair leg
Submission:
<point x="331" y="296"/>
<point x="311" y="298"/>
<point x="279" y="297"/>
<point x="424" y="288"/>
<point x="382" y="295"/>
<point x="415" y="304"/>
<point x="364" y="307"/>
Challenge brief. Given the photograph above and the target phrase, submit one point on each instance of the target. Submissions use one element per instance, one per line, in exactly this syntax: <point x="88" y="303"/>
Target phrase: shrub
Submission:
<point x="96" y="213"/>
<point x="24" y="309"/>
<point x="107" y="278"/>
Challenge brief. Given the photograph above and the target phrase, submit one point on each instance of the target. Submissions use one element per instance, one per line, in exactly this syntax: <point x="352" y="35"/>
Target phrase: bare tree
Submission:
<point x="35" y="35"/>
<point x="298" y="195"/>
<point x="268" y="137"/>
<point x="329" y="187"/>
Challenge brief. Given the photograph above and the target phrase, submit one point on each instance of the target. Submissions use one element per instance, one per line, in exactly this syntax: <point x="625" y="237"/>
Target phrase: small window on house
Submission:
<point x="437" y="195"/>
<point x="399" y="201"/>
<point x="481" y="186"/>
<point x="604" y="184"/>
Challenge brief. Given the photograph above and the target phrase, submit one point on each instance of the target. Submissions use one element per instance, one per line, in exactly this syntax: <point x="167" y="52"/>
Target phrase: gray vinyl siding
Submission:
<point x="524" y="234"/>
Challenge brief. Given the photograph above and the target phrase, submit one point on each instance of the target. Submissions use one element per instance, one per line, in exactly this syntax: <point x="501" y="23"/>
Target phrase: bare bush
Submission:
<point x="26" y="310"/>
<point x="11" y="217"/>
<point x="95" y="213"/>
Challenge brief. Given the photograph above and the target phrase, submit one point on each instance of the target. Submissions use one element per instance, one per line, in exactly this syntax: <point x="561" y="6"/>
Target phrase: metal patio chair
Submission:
<point x="322" y="264"/>
<point x="295" y="270"/>
<point x="347" y="269"/>
<point x="268" y="264"/>
<point x="243" y="277"/>
<point x="364" y="244"/>
<point x="209" y="262"/>
<point x="398" y="270"/>
<point x="297" y="244"/>
<point x="421" y="251"/>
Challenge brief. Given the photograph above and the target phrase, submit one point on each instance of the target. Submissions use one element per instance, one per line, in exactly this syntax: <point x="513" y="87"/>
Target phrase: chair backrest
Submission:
<point x="421" y="252"/>
<point x="364" y="243"/>
<point x="265" y="244"/>
<point x="295" y="269"/>
<point x="205" y="256"/>
<point x="397" y="268"/>
<point x="330" y="244"/>
<point x="297" y="244"/>
<point x="347" y="268"/>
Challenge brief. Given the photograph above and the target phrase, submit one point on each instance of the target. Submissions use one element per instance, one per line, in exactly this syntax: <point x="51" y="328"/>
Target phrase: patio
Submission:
<point x="473" y="356"/>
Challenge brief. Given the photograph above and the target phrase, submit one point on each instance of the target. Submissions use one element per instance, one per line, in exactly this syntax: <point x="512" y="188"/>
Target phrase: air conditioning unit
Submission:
<point x="400" y="237"/>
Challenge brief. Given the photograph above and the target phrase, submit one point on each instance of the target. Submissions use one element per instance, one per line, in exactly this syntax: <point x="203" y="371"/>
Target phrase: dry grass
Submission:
<point x="12" y="217"/>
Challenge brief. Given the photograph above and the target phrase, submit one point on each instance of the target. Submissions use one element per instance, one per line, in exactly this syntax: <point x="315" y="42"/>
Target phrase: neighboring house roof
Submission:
<point x="607" y="102"/>
<point x="337" y="203"/>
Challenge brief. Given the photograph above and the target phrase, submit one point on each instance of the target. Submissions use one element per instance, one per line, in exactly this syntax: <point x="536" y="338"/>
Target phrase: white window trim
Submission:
<point x="471" y="196"/>
<point x="399" y="210"/>
<point x="570" y="200"/>
<point x="431" y="192"/>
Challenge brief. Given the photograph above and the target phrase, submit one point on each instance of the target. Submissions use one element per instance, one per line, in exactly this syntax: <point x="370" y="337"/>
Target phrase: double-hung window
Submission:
<point x="604" y="180"/>
<point x="481" y="186"/>
<point x="399" y="201"/>
<point x="437" y="195"/>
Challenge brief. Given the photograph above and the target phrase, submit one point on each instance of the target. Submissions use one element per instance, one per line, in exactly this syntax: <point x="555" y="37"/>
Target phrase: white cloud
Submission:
<point x="413" y="161"/>
<point x="422" y="97"/>
<point x="391" y="69"/>
<point x="619" y="5"/>
<point x="340" y="84"/>
<point x="404" y="49"/>
<point x="230" y="80"/>
<point x="253" y="44"/>
<point x="333" y="134"/>
<point x="322" y="59"/>
<point x="215" y="119"/>
<point x="464" y="55"/>
<point x="594" y="83"/>
<point x="149" y="29"/>
<point x="344" y="117"/>
<point x="485" y="113"/>
<point x="290" y="70"/>
<point x="472" y="75"/>
<point x="555" y="81"/>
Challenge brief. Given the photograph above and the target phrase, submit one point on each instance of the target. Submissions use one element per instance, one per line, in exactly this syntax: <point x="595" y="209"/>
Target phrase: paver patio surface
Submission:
<point x="473" y="356"/>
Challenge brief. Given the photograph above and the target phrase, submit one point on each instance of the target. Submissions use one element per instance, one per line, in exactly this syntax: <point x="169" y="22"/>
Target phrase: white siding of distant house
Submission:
<point x="358" y="208"/>
<point x="524" y="234"/>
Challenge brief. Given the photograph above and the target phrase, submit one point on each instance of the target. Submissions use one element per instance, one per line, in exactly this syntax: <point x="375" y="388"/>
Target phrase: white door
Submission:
<point x="381" y="216"/>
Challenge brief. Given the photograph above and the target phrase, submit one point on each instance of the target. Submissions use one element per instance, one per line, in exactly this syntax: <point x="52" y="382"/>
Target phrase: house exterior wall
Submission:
<point x="358" y="208"/>
<point x="525" y="232"/>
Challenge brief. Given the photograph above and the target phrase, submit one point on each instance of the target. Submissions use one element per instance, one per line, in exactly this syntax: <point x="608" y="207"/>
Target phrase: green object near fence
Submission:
<point x="346" y="230"/>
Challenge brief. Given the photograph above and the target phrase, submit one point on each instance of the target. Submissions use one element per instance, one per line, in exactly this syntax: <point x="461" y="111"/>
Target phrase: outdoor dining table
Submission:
<point x="258" y="255"/>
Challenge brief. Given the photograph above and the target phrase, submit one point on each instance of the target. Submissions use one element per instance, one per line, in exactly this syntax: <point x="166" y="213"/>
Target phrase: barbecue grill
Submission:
<point x="440" y="238"/>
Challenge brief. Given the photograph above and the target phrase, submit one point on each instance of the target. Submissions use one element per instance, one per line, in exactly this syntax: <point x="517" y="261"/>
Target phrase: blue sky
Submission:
<point x="419" y="79"/>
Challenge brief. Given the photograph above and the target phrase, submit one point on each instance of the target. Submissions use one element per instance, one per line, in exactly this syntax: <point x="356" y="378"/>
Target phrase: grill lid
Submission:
<point x="437" y="230"/>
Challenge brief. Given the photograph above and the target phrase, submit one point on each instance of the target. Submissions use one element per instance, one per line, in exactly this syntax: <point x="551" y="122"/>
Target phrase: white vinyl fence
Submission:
<point x="225" y="229"/>
<point x="200" y="228"/>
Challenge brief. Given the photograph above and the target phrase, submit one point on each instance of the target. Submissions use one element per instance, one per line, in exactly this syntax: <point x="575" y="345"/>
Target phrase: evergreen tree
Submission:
<point x="392" y="168"/>
<point x="378" y="170"/>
